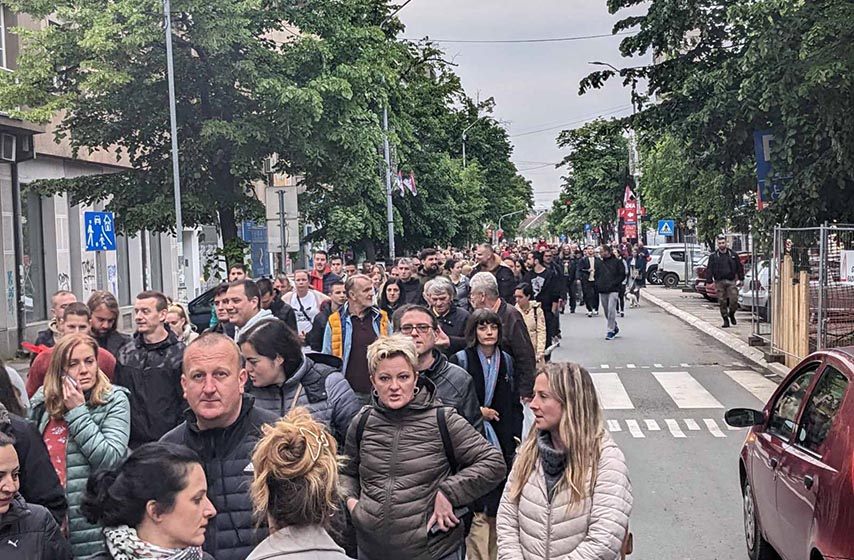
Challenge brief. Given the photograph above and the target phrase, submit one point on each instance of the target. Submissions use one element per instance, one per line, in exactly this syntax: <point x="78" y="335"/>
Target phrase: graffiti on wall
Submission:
<point x="10" y="293"/>
<point x="89" y="281"/>
<point x="112" y="276"/>
<point x="63" y="281"/>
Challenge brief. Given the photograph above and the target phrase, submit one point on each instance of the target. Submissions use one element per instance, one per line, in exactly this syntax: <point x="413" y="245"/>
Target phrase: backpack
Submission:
<point x="463" y="361"/>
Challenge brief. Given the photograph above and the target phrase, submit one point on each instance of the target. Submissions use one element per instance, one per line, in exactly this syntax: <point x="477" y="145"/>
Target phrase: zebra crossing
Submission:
<point x="691" y="408"/>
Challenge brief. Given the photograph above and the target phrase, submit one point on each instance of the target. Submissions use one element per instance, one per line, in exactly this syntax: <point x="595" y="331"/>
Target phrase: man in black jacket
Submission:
<point x="727" y="272"/>
<point x="270" y="299"/>
<point x="410" y="285"/>
<point x="451" y="318"/>
<point x="610" y="274"/>
<point x="222" y="426"/>
<point x="103" y="322"/>
<point x="488" y="261"/>
<point x="546" y="284"/>
<point x="149" y="366"/>
<point x="587" y="276"/>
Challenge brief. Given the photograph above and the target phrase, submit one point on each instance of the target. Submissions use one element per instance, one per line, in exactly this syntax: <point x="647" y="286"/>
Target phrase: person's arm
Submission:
<point x="290" y="317"/>
<point x="39" y="482"/>
<point x="54" y="544"/>
<point x="350" y="483"/>
<point x="470" y="406"/>
<point x="344" y="404"/>
<point x="507" y="525"/>
<point x="327" y="339"/>
<point x="609" y="515"/>
<point x="522" y="350"/>
<point x="35" y="376"/>
<point x="541" y="332"/>
<point x="105" y="445"/>
<point x="481" y="465"/>
<point x="314" y="338"/>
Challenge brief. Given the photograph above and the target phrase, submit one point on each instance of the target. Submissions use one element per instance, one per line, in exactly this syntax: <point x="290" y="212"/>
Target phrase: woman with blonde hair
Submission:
<point x="568" y="495"/>
<point x="85" y="423"/>
<point x="295" y="490"/>
<point x="176" y="317"/>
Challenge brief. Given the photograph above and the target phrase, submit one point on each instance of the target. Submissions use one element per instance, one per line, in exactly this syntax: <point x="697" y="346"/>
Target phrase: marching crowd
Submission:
<point x="364" y="412"/>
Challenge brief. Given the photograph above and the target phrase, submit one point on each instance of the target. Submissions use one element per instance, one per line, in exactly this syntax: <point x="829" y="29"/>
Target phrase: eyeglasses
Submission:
<point x="423" y="329"/>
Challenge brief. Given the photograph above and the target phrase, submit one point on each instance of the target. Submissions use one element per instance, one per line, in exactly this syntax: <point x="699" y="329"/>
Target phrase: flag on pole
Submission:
<point x="628" y="196"/>
<point x="399" y="183"/>
<point x="409" y="182"/>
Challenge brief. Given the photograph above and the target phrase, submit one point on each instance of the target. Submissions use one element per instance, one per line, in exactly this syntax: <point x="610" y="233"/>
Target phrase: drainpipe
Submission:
<point x="18" y="228"/>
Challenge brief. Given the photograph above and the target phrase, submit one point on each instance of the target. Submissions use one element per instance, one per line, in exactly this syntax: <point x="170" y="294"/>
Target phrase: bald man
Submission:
<point x="222" y="426"/>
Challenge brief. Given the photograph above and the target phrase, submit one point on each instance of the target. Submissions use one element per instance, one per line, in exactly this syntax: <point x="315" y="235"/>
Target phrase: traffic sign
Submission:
<point x="666" y="227"/>
<point x="630" y="231"/>
<point x="99" y="229"/>
<point x="587" y="227"/>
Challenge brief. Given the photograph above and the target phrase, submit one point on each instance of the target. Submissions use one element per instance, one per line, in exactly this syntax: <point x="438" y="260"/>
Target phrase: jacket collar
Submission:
<point x="344" y="310"/>
<point x="246" y="404"/>
<point x="439" y="363"/>
<point x="170" y="340"/>
<point x="295" y="539"/>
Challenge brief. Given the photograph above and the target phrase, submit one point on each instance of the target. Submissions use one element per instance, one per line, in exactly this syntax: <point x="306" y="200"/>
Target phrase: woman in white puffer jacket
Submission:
<point x="568" y="495"/>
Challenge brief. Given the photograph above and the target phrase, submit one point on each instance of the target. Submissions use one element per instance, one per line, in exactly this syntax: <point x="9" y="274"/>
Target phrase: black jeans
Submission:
<point x="591" y="296"/>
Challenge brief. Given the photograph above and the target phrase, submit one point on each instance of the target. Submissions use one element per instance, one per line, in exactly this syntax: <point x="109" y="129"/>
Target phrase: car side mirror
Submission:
<point x="744" y="417"/>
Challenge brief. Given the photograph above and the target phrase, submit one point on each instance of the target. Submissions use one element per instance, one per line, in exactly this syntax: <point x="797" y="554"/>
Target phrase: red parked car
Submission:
<point x="709" y="291"/>
<point x="797" y="464"/>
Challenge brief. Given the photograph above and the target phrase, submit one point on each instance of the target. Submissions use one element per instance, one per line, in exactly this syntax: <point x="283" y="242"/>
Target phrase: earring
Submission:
<point x="375" y="393"/>
<point x="416" y="391"/>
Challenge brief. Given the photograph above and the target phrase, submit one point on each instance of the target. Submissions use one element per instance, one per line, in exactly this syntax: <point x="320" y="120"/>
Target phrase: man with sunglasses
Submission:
<point x="454" y="386"/>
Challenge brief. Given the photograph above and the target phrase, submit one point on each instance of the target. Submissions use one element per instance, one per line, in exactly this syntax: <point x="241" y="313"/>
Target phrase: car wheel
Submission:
<point x="757" y="547"/>
<point x="670" y="280"/>
<point x="652" y="276"/>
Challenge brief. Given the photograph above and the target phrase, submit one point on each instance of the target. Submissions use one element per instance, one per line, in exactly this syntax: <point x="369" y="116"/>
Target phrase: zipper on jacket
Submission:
<point x="548" y="530"/>
<point x="392" y="475"/>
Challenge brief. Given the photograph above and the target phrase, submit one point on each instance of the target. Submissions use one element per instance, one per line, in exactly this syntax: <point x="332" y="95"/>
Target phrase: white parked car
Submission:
<point x="655" y="254"/>
<point x="671" y="266"/>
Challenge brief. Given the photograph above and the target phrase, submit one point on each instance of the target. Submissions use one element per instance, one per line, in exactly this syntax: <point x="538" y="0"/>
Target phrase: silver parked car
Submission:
<point x="754" y="294"/>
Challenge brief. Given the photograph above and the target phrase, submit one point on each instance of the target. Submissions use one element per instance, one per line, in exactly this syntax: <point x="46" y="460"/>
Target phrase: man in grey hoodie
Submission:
<point x="243" y="303"/>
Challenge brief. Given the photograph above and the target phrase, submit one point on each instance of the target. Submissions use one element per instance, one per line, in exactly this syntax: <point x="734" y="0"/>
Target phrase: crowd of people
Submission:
<point x="363" y="412"/>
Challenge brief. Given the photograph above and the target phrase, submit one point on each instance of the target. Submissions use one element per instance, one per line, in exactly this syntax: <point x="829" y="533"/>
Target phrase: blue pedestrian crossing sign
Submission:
<point x="666" y="227"/>
<point x="99" y="230"/>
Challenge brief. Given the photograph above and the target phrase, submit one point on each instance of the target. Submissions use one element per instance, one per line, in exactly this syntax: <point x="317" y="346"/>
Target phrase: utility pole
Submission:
<point x="283" y="232"/>
<point x="388" y="202"/>
<point x="176" y="175"/>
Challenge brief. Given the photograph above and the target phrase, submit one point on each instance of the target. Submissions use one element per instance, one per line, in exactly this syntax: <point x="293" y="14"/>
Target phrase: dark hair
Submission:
<point x="336" y="257"/>
<point x="77" y="308"/>
<point x="8" y="397"/>
<point x="336" y="283"/>
<point x="154" y="471"/>
<point x="275" y="338"/>
<point x="538" y="256"/>
<point x="108" y="300"/>
<point x="384" y="303"/>
<point x="240" y="265"/>
<point x="250" y="288"/>
<point x="6" y="439"/>
<point x="220" y="290"/>
<point x="265" y="286"/>
<point x="450" y="264"/>
<point x="428" y="252"/>
<point x="526" y="289"/>
<point x="397" y="317"/>
<point x="162" y="302"/>
<point x="321" y="252"/>
<point x="481" y="317"/>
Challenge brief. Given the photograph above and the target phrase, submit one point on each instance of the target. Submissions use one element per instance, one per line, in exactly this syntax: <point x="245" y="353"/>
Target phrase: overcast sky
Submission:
<point x="535" y="86"/>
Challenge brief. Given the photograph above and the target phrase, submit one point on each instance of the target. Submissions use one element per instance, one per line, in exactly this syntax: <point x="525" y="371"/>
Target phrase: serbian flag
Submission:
<point x="399" y="183"/>
<point x="628" y="196"/>
<point x="409" y="182"/>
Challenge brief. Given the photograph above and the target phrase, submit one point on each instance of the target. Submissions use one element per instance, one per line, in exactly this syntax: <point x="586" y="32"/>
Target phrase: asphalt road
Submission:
<point x="665" y="388"/>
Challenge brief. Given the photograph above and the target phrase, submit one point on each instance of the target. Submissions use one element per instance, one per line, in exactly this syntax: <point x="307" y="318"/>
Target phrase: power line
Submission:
<point x="517" y="41"/>
<point x="625" y="108"/>
<point x="536" y="127"/>
<point x="539" y="167"/>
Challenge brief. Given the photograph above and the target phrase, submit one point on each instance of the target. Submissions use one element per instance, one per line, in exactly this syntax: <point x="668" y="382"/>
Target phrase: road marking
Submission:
<point x="644" y="367"/>
<point x="733" y="428"/>
<point x="614" y="426"/>
<point x="674" y="428"/>
<point x="658" y="365"/>
<point x="714" y="428"/>
<point x="634" y="428"/>
<point x="759" y="386"/>
<point x="604" y="366"/>
<point x="684" y="365"/>
<point x="612" y="394"/>
<point x="691" y="424"/>
<point x="685" y="391"/>
<point x="631" y="366"/>
<point x="652" y="425"/>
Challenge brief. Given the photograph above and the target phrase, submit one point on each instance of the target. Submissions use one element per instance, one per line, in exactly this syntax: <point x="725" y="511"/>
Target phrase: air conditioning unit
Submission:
<point x="7" y="147"/>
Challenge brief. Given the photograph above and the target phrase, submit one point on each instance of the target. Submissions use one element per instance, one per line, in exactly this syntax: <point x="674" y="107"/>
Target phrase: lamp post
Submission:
<point x="176" y="175"/>
<point x="495" y="234"/>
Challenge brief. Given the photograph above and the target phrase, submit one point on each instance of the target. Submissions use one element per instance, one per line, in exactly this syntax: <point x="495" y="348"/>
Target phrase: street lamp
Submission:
<point x="495" y="234"/>
<point x="176" y="175"/>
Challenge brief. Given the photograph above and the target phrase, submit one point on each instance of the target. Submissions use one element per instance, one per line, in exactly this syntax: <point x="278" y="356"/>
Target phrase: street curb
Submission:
<point x="729" y="340"/>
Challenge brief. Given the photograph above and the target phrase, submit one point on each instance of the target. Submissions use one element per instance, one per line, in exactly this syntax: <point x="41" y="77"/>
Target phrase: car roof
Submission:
<point x="847" y="353"/>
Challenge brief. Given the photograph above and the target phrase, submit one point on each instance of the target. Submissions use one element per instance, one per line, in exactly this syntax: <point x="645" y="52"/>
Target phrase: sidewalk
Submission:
<point x="705" y="316"/>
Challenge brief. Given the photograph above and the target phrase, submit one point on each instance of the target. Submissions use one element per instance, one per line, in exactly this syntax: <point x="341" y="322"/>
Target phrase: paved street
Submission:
<point x="665" y="388"/>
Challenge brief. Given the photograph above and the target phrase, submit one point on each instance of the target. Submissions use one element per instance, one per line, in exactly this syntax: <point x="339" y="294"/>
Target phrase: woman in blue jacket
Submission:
<point x="85" y="423"/>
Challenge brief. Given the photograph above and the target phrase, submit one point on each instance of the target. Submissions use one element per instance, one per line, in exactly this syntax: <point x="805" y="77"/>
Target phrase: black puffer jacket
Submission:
<point x="410" y="291"/>
<point x="399" y="466"/>
<point x="152" y="374"/>
<point x="610" y="274"/>
<point x="225" y="454"/>
<point x="455" y="388"/>
<point x="29" y="532"/>
<point x="39" y="483"/>
<point x="319" y="386"/>
<point x="112" y="342"/>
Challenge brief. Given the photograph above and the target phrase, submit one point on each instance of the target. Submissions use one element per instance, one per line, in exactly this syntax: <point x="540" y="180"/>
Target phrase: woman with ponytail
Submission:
<point x="153" y="505"/>
<point x="295" y="490"/>
<point x="568" y="495"/>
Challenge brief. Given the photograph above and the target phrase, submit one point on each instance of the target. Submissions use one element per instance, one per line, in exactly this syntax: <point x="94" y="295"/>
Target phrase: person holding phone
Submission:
<point x="85" y="423"/>
<point x="414" y="463"/>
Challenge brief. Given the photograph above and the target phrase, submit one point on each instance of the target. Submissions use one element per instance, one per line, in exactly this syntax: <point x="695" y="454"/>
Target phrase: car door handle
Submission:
<point x="773" y="463"/>
<point x="808" y="481"/>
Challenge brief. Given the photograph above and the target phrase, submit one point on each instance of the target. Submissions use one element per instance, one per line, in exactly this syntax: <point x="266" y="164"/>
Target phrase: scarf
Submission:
<point x="552" y="460"/>
<point x="124" y="544"/>
<point x="490" y="369"/>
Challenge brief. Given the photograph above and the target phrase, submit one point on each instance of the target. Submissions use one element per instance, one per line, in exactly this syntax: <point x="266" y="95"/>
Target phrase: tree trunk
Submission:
<point x="227" y="223"/>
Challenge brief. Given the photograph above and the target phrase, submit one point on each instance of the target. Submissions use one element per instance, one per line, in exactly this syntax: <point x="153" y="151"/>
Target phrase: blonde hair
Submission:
<point x="296" y="472"/>
<point x="53" y="395"/>
<point x="387" y="347"/>
<point x="179" y="310"/>
<point x="581" y="429"/>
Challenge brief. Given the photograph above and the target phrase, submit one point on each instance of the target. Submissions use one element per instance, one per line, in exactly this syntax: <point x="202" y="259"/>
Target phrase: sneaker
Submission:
<point x="622" y="313"/>
<point x="610" y="336"/>
<point x="590" y="314"/>
<point x="596" y="312"/>
<point x="572" y="310"/>
<point x="726" y="323"/>
<point x="732" y="319"/>
<point x="616" y="330"/>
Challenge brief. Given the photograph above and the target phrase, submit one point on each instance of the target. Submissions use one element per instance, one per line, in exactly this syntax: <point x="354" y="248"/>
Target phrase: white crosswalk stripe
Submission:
<point x="761" y="387"/>
<point x="652" y="425"/>
<point x="685" y="391"/>
<point x="614" y="426"/>
<point x="713" y="428"/>
<point x="634" y="428"/>
<point x="692" y="425"/>
<point x="674" y="428"/>
<point x="612" y="393"/>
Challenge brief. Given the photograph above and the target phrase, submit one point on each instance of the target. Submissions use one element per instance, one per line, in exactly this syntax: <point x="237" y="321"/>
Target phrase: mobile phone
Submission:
<point x="73" y="381"/>
<point x="459" y="513"/>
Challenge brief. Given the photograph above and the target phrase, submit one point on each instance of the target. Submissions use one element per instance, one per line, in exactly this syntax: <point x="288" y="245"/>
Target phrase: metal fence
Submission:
<point x="812" y="290"/>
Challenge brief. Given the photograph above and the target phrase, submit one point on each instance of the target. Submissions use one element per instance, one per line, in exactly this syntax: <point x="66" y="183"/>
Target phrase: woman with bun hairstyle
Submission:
<point x="84" y="421"/>
<point x="568" y="495"/>
<point x="153" y="505"/>
<point x="295" y="490"/>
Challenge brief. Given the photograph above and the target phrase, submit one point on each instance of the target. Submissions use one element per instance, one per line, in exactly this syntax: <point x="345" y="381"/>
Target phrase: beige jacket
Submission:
<point x="535" y="320"/>
<point x="535" y="529"/>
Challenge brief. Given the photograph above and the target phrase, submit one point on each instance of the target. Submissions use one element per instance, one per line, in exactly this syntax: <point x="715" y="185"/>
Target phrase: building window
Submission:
<point x="35" y="302"/>
<point x="123" y="262"/>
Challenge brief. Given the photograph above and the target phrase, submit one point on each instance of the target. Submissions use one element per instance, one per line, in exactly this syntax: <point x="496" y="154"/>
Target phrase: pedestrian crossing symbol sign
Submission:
<point x="666" y="227"/>
<point x="99" y="230"/>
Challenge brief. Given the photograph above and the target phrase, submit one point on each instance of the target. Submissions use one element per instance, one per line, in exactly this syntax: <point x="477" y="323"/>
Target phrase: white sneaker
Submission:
<point x="590" y="314"/>
<point x="596" y="312"/>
